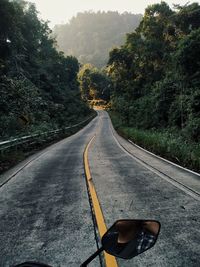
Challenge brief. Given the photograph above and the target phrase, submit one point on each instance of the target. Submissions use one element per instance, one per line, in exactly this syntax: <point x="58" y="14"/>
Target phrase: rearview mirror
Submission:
<point x="128" y="238"/>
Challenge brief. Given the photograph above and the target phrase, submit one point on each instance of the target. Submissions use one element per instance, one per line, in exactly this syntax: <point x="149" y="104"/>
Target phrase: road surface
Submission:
<point x="45" y="211"/>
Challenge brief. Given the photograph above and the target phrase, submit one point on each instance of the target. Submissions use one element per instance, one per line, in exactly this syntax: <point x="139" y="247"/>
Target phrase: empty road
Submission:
<point x="45" y="212"/>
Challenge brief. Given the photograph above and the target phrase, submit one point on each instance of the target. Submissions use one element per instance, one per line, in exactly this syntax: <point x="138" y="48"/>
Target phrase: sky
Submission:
<point x="61" y="11"/>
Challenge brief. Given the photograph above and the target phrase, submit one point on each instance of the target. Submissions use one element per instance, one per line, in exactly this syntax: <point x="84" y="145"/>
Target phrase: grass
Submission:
<point x="165" y="143"/>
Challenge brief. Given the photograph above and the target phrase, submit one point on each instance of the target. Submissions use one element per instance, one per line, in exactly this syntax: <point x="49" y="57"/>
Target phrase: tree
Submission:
<point x="188" y="56"/>
<point x="156" y="72"/>
<point x="36" y="81"/>
<point x="94" y="84"/>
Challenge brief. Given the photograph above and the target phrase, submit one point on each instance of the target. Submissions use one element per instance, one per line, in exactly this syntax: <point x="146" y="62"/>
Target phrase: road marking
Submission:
<point x="109" y="260"/>
<point x="163" y="159"/>
<point x="164" y="176"/>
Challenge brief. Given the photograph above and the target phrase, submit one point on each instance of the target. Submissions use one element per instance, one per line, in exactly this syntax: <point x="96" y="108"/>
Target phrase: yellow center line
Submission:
<point x="109" y="260"/>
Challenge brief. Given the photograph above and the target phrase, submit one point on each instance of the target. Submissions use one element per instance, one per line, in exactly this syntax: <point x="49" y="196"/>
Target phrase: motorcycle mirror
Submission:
<point x="125" y="239"/>
<point x="129" y="238"/>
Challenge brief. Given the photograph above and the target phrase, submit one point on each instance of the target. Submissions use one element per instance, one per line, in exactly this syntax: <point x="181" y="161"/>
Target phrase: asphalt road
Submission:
<point x="128" y="189"/>
<point x="45" y="213"/>
<point x="44" y="209"/>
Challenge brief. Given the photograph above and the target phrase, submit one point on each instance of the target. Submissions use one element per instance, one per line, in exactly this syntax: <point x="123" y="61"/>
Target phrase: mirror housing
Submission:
<point x="129" y="238"/>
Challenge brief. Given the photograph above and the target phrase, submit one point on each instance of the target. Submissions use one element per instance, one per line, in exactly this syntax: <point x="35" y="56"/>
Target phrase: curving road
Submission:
<point x="44" y="209"/>
<point x="45" y="212"/>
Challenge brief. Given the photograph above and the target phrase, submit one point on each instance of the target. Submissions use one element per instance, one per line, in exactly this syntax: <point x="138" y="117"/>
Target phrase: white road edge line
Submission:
<point x="168" y="161"/>
<point x="177" y="184"/>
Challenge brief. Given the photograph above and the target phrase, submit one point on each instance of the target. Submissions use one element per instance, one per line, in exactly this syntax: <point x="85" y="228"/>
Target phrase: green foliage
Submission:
<point x="188" y="56"/>
<point x="94" y="84"/>
<point x="89" y="36"/>
<point x="165" y="143"/>
<point x="187" y="18"/>
<point x="156" y="17"/>
<point x="37" y="82"/>
<point x="156" y="73"/>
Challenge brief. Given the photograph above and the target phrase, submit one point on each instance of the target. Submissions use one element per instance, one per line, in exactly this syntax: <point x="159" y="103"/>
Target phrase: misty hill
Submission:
<point x="90" y="36"/>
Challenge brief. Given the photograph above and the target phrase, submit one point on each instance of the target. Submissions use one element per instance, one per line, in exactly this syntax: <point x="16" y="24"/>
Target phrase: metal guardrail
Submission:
<point x="5" y="145"/>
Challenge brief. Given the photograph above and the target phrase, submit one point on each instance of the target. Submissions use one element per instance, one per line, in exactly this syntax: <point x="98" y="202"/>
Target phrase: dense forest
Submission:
<point x="38" y="85"/>
<point x="89" y="36"/>
<point x="156" y="73"/>
<point x="156" y="79"/>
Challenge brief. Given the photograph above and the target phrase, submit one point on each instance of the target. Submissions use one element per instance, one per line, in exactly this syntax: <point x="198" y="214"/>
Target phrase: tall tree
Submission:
<point x="156" y="73"/>
<point x="36" y="81"/>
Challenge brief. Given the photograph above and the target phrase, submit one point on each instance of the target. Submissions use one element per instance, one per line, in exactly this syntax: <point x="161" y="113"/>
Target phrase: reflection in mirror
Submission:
<point x="128" y="238"/>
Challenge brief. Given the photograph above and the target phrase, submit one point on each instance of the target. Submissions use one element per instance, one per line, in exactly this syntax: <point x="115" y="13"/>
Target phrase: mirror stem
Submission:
<point x="92" y="257"/>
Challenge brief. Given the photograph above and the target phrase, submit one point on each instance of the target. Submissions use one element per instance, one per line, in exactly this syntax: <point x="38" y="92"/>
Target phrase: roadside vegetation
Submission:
<point x="38" y="85"/>
<point x="39" y="88"/>
<point x="165" y="143"/>
<point x="95" y="84"/>
<point x="154" y="83"/>
<point x="10" y="156"/>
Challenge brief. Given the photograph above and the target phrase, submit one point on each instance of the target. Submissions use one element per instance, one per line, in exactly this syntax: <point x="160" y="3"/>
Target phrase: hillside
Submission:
<point x="38" y="85"/>
<point x="90" y="36"/>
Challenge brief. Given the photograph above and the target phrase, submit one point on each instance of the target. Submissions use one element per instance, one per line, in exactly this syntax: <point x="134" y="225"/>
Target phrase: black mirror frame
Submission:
<point x="131" y="220"/>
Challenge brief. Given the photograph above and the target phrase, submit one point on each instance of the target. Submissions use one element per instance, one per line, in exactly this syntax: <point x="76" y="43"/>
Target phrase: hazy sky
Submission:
<point x="60" y="11"/>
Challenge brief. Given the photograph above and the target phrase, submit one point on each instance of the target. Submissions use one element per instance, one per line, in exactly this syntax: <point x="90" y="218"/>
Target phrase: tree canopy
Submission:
<point x="36" y="81"/>
<point x="94" y="84"/>
<point x="156" y="72"/>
